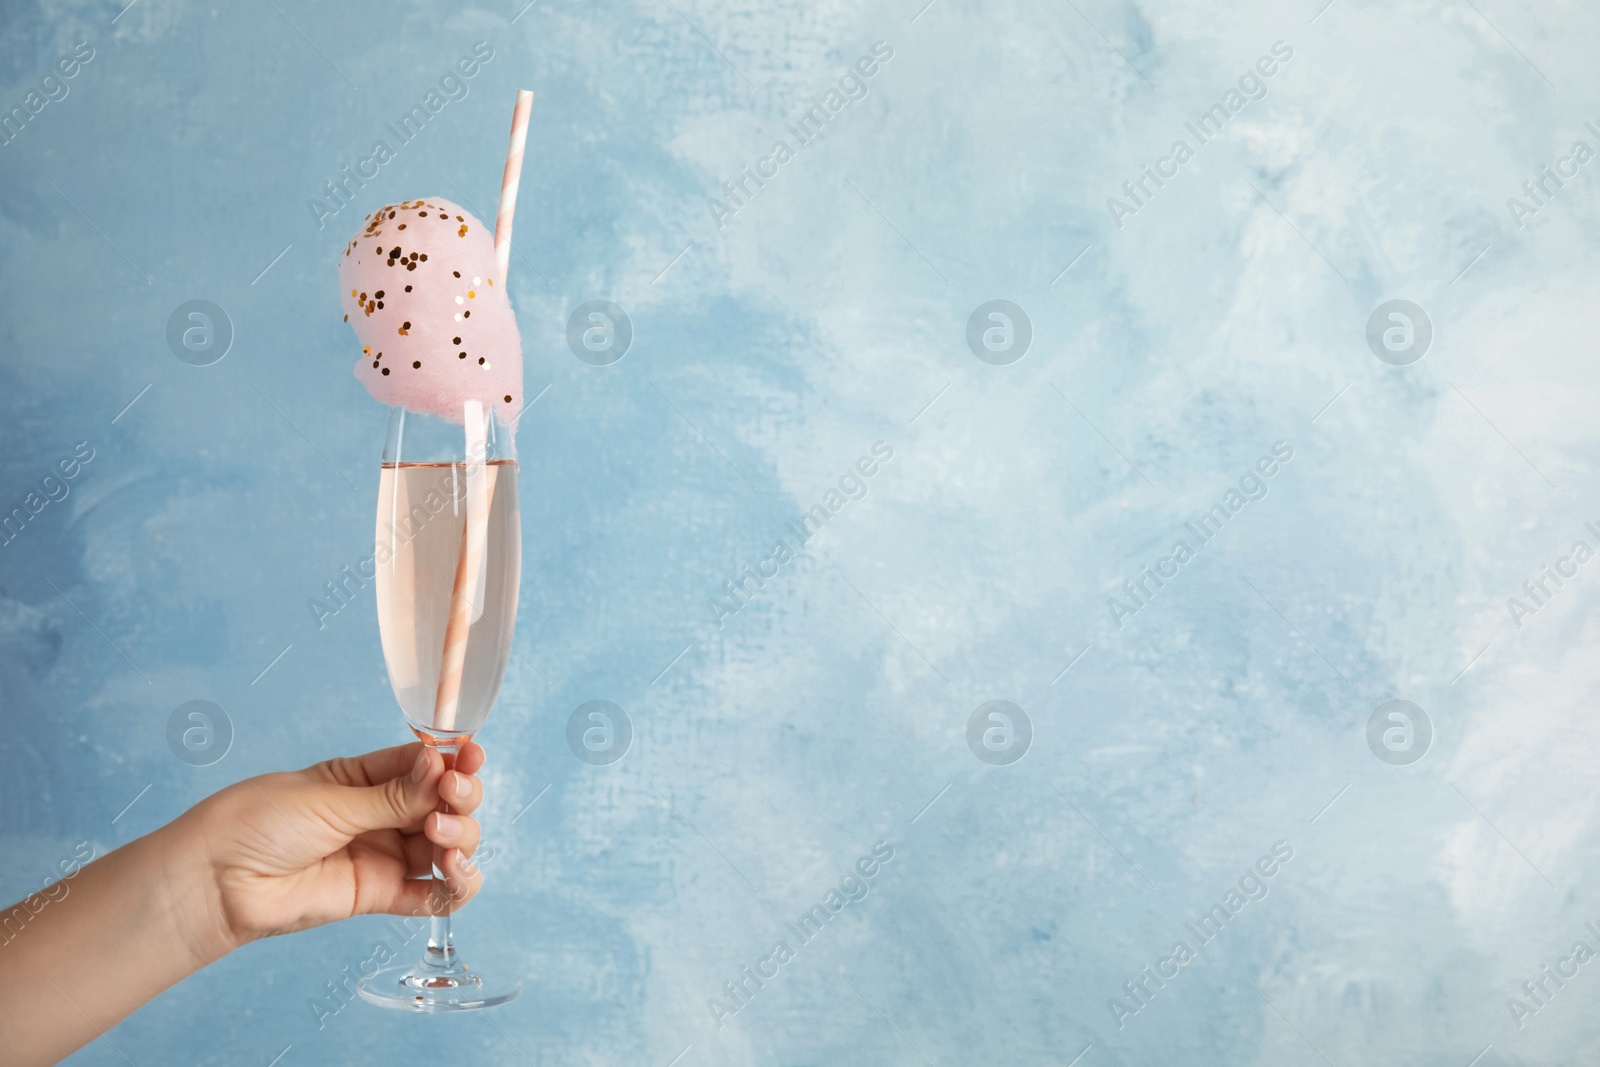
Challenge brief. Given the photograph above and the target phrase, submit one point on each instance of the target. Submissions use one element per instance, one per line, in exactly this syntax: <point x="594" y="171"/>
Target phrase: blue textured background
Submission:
<point x="769" y="354"/>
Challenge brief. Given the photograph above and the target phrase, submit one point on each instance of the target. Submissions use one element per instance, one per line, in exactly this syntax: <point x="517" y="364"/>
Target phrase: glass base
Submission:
<point x="429" y="990"/>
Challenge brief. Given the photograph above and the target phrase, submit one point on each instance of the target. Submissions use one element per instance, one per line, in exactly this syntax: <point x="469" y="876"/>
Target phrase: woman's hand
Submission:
<point x="345" y="837"/>
<point x="269" y="855"/>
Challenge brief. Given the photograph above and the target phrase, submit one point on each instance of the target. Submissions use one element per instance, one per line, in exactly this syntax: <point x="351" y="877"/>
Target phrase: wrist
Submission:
<point x="190" y="910"/>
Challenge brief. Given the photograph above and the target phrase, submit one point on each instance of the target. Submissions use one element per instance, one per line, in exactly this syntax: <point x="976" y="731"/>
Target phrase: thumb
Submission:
<point x="402" y="801"/>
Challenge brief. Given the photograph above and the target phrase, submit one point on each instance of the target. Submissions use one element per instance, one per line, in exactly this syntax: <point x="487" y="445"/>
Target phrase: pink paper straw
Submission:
<point x="466" y="602"/>
<point x="466" y="605"/>
<point x="510" y="180"/>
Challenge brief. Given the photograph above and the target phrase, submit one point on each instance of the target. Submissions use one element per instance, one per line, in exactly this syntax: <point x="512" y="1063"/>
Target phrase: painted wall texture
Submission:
<point x="1083" y="515"/>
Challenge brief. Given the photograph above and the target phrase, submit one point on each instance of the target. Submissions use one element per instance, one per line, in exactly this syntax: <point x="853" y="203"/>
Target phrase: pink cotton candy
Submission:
<point x="436" y="327"/>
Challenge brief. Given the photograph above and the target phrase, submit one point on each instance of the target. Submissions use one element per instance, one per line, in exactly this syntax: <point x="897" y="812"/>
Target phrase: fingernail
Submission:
<point x="449" y="825"/>
<point x="463" y="787"/>
<point x="420" y="771"/>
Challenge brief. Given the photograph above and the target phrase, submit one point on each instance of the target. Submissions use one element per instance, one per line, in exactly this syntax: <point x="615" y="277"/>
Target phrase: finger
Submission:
<point x="462" y="878"/>
<point x="418" y="850"/>
<point x="369" y="768"/>
<point x="401" y="801"/>
<point x="413" y="898"/>
<point x="452" y="831"/>
<point x="463" y="792"/>
<point x="417" y="897"/>
<point x="471" y="758"/>
<point x="419" y="856"/>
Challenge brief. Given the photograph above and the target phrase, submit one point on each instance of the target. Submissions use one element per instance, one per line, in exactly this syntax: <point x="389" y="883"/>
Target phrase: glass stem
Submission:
<point x="441" y="945"/>
<point x="441" y="942"/>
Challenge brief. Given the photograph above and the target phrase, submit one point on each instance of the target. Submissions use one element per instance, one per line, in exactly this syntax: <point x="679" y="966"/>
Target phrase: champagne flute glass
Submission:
<point x="449" y="559"/>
